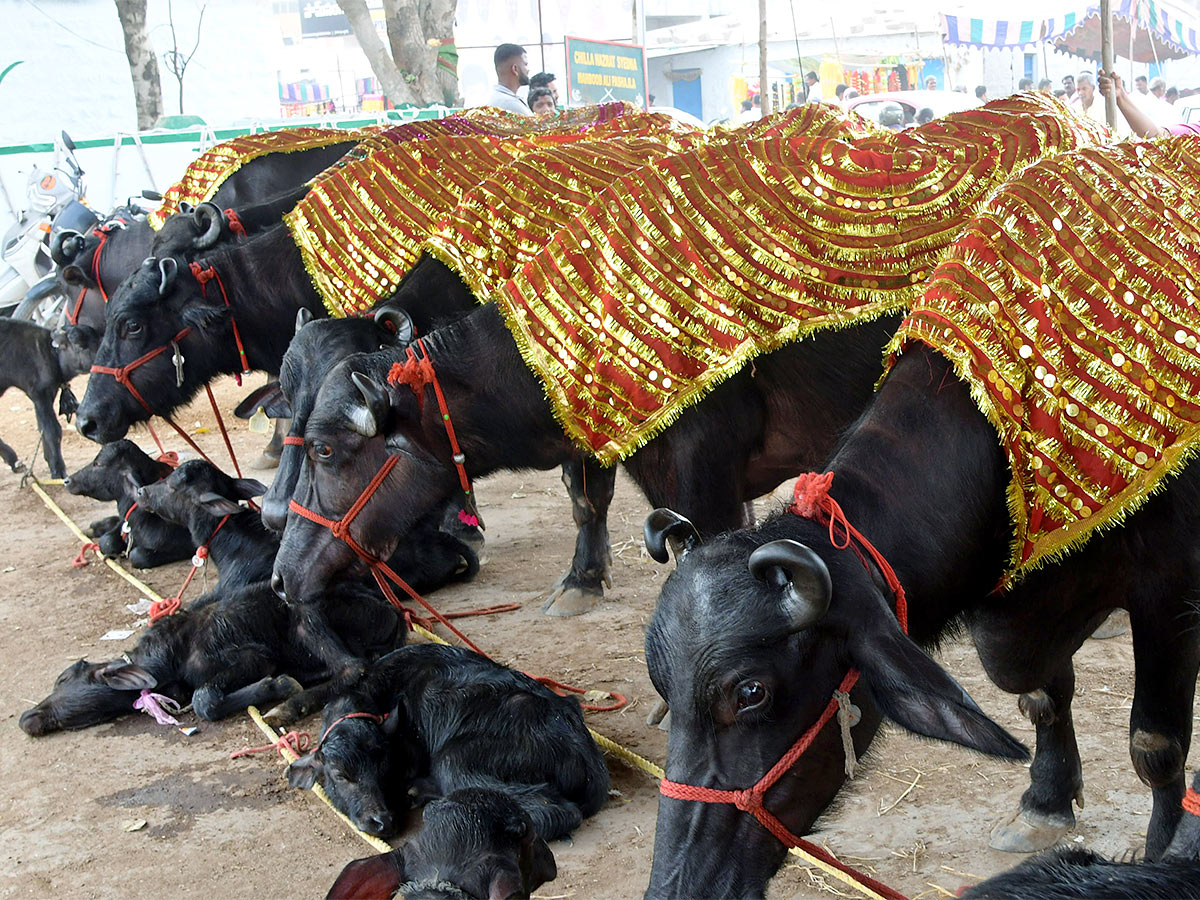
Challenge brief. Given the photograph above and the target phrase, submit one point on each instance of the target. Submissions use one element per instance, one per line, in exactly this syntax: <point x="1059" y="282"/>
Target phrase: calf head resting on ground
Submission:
<point x="462" y="721"/>
<point x="116" y="474"/>
<point x="476" y="843"/>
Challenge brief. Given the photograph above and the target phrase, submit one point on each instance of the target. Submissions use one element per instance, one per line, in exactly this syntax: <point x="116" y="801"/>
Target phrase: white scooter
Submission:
<point x="55" y="201"/>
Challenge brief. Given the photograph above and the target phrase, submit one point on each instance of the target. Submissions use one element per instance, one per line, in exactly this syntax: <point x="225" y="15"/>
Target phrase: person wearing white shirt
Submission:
<point x="1088" y="103"/>
<point x="512" y="71"/>
<point x="815" y="94"/>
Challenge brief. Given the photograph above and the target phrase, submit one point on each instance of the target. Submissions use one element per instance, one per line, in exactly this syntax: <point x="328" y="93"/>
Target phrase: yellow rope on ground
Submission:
<point x="608" y="745"/>
<point x="146" y="590"/>
<point x="381" y="845"/>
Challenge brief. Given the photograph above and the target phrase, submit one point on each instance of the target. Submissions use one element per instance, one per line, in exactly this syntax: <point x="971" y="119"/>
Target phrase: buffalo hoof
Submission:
<point x="1029" y="831"/>
<point x="659" y="713"/>
<point x="1115" y="625"/>
<point x="18" y="467"/>
<point x="572" y="601"/>
<point x="265" y="461"/>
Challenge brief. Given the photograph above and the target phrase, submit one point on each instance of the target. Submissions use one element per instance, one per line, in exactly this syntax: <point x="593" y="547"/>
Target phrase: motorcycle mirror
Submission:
<point x="152" y="195"/>
<point x="67" y="142"/>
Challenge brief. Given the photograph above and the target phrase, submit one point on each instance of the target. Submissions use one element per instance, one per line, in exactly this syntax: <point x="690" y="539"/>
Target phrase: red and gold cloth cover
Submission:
<point x="207" y="172"/>
<point x="507" y="219"/>
<point x="682" y="271"/>
<point x="1069" y="304"/>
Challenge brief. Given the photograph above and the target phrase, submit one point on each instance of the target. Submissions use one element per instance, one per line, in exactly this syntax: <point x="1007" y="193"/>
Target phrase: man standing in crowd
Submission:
<point x="544" y="80"/>
<point x="1025" y="84"/>
<point x="1142" y="125"/>
<point x="813" y="93"/>
<point x="1142" y="85"/>
<point x="512" y="71"/>
<point x="931" y="83"/>
<point x="1068" y="84"/>
<point x="981" y="93"/>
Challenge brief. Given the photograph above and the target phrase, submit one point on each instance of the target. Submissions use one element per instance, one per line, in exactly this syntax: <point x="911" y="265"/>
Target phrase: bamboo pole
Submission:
<point x="764" y="89"/>
<point x="1106" y="58"/>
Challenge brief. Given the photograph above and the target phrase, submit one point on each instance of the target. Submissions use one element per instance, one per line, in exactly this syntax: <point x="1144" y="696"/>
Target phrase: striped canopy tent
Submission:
<point x="1158" y="31"/>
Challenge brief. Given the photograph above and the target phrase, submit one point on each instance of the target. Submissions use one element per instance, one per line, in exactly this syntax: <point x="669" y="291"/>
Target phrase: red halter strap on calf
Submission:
<point x="377" y="719"/>
<point x="812" y="501"/>
<point x="170" y="605"/>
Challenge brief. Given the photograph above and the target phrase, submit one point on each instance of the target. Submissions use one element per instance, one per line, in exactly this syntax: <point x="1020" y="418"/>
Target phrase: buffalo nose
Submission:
<point x="141" y="491"/>
<point x="277" y="585"/>
<point x="88" y="428"/>
<point x="66" y="480"/>
<point x="378" y="824"/>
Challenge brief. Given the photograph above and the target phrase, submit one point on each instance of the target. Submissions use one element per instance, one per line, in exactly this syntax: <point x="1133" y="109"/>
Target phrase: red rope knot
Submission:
<point x="202" y="274"/>
<point x="160" y="609"/>
<point x="170" y="457"/>
<point x="340" y="530"/>
<point x="235" y="223"/>
<point x="415" y="372"/>
<point x="1191" y="802"/>
<point x="811" y="500"/>
<point x="298" y="742"/>
<point x="81" y="558"/>
<point x="749" y="800"/>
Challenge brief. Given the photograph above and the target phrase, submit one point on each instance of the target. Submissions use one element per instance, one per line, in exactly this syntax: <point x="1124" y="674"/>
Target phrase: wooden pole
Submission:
<point x="1106" y="58"/>
<point x="764" y="91"/>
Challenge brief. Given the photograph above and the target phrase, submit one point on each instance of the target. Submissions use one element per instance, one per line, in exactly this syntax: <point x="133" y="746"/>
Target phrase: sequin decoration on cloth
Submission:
<point x="506" y="220"/>
<point x="1069" y="305"/>
<point x="682" y="271"/>
<point x="360" y="229"/>
<point x="209" y="170"/>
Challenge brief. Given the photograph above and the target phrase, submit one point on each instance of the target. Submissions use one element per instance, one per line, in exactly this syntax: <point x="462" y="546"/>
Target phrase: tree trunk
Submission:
<point x="437" y="19"/>
<point x="143" y="65"/>
<point x="390" y="79"/>
<point x="415" y="29"/>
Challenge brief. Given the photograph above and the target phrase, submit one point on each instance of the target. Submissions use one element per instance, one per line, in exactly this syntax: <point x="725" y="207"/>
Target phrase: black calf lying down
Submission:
<point x="118" y="470"/>
<point x="221" y="654"/>
<point x="199" y="497"/>
<point x="38" y="363"/>
<point x="1073" y="874"/>
<point x="476" y="843"/>
<point x="455" y="720"/>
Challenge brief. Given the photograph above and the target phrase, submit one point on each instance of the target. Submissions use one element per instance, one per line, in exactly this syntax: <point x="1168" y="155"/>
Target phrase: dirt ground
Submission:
<point x="133" y="809"/>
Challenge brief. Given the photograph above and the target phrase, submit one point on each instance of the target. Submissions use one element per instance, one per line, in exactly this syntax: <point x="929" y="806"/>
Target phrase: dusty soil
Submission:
<point x="918" y="817"/>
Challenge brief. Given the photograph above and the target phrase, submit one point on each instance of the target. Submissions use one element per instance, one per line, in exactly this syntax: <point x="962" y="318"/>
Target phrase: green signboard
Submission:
<point x="601" y="71"/>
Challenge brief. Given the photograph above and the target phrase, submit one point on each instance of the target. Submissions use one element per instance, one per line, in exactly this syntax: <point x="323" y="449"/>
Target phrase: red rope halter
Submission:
<point x="1191" y="802"/>
<point x="160" y="609"/>
<point x="812" y="501"/>
<point x="204" y="276"/>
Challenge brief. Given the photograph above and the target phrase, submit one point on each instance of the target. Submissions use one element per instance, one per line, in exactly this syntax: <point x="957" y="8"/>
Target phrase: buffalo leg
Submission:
<point x="9" y="455"/>
<point x="591" y="488"/>
<point x="1166" y="657"/>
<point x="241" y="683"/>
<point x="1056" y="775"/>
<point x="315" y="633"/>
<point x="43" y="407"/>
<point x="269" y="458"/>
<point x="299" y="705"/>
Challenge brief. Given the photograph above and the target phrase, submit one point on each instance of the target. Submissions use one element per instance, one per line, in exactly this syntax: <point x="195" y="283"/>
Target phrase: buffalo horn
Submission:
<point x="65" y="246"/>
<point x="168" y="268"/>
<point x="665" y="526"/>
<point x="365" y="419"/>
<point x="803" y="575"/>
<point x="303" y="317"/>
<point x="398" y="323"/>
<point x="209" y="220"/>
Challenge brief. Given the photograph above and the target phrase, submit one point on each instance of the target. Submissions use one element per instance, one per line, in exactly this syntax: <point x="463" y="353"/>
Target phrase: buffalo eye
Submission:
<point x="322" y="451"/>
<point x="133" y="328"/>
<point x="751" y="695"/>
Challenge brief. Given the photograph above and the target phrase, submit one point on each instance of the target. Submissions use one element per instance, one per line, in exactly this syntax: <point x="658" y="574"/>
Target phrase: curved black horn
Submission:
<point x="168" y="268"/>
<point x="186" y="208"/>
<point x="303" y="317"/>
<point x="398" y="323"/>
<point x="65" y="246"/>
<point x="209" y="221"/>
<point x="803" y="575"/>
<point x="366" y="419"/>
<point x="665" y="525"/>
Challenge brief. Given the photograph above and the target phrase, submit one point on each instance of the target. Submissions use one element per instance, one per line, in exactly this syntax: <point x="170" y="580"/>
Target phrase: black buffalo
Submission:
<point x="119" y="470"/>
<point x="445" y="718"/>
<point x="751" y="432"/>
<point x="41" y="364"/>
<point x="475" y="843"/>
<point x="755" y="629"/>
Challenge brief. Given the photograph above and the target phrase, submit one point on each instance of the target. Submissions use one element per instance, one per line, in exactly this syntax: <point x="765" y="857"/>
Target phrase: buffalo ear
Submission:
<point x="305" y="771"/>
<point x="370" y="878"/>
<point x="249" y="487"/>
<point x="269" y="398"/>
<point x="216" y="505"/>
<point x="537" y="864"/>
<point x="126" y="676"/>
<point x="73" y="274"/>
<point x="915" y="692"/>
<point x="398" y="323"/>
<point x="203" y="315"/>
<point x="393" y="720"/>
<point x="665" y="526"/>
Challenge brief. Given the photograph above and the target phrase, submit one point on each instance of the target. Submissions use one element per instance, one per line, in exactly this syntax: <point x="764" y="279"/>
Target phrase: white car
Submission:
<point x="881" y="108"/>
